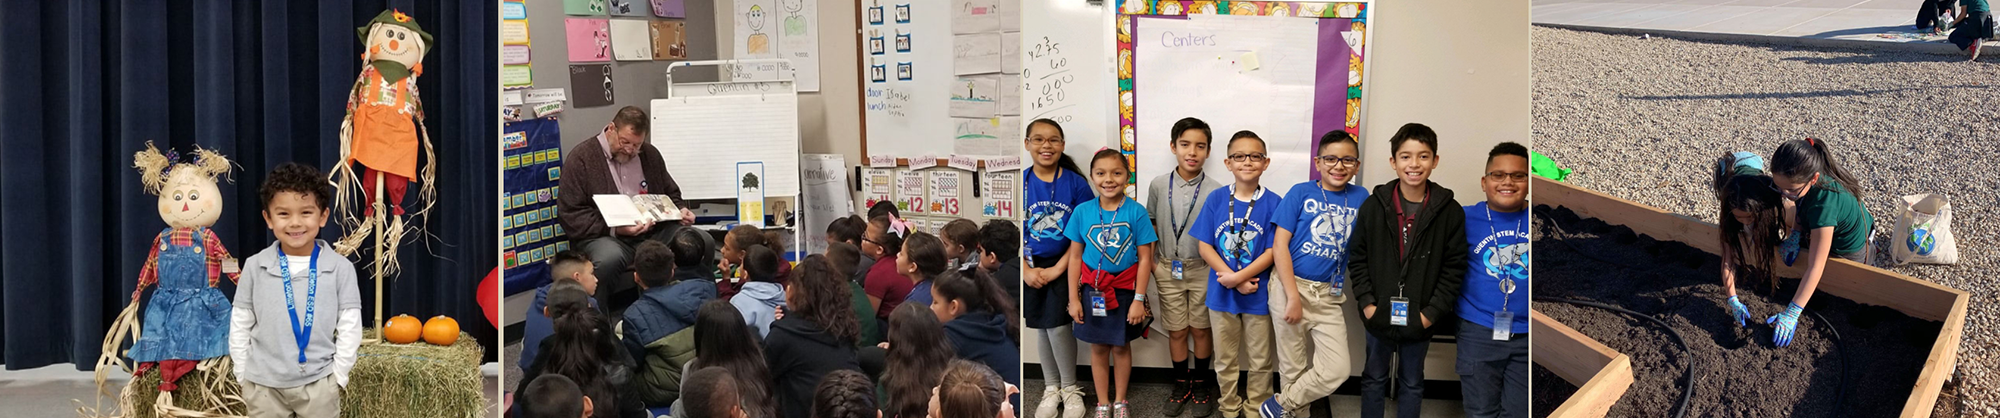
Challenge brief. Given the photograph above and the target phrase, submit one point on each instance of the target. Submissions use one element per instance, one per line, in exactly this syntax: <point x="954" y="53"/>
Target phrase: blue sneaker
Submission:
<point x="1272" y="409"/>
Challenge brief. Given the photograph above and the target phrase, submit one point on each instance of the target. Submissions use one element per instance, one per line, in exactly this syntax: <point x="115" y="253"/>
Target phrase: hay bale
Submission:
<point x="388" y="380"/>
<point x="416" y="380"/>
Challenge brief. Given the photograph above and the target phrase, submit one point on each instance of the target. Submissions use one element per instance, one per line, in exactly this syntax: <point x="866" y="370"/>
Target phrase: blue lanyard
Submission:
<point x="302" y="334"/>
<point x="1346" y="201"/>
<point x="1506" y="283"/>
<point x="1189" y="217"/>
<point x="1242" y="245"/>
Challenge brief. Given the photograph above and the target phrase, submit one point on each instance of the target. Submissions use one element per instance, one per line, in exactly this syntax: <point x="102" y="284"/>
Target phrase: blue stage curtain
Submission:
<point x="84" y="84"/>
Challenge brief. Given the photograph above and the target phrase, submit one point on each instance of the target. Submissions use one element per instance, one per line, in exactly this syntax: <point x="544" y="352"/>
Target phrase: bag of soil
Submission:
<point x="1923" y="232"/>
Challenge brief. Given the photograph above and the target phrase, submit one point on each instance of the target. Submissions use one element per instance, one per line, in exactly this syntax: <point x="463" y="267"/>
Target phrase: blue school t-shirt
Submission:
<point x="1049" y="205"/>
<point x="1498" y="249"/>
<point x="1240" y="231"/>
<point x="1111" y="239"/>
<point x="1320" y="222"/>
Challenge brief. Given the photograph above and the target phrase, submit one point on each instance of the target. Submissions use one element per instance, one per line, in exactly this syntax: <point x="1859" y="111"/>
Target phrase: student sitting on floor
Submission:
<point x="655" y="327"/>
<point x="712" y="394"/>
<point x="571" y="265"/>
<point x="555" y="397"/>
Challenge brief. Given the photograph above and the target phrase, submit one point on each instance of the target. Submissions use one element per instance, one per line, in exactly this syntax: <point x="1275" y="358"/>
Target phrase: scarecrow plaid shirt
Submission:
<point x="211" y="249"/>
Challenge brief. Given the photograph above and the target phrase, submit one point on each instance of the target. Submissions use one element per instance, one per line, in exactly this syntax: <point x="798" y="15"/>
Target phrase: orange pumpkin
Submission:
<point x="402" y="329"/>
<point x="441" y="330"/>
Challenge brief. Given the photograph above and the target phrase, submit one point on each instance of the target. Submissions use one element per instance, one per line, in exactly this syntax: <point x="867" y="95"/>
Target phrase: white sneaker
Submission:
<point x="1051" y="399"/>
<point x="1073" y="402"/>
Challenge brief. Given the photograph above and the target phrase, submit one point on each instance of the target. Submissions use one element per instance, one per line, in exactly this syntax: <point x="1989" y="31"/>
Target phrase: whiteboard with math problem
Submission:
<point x="1066" y="62"/>
<point x="704" y="129"/>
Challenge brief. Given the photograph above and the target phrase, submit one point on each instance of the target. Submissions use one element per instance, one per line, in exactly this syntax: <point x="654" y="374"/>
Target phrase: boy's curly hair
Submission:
<point x="297" y="178"/>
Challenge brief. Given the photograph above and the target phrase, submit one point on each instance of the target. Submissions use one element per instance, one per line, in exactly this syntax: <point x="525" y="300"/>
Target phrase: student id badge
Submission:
<point x="1179" y="269"/>
<point x="1399" y="311"/>
<point x="1503" y="325"/>
<point x="1096" y="301"/>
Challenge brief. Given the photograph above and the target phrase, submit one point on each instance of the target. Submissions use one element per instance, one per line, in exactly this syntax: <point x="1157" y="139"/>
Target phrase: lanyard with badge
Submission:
<point x="1236" y="228"/>
<point x="1339" y="267"/>
<point x="1195" y="196"/>
<point x="1503" y="321"/>
<point x="1399" y="306"/>
<point x="1095" y="292"/>
<point x="302" y="333"/>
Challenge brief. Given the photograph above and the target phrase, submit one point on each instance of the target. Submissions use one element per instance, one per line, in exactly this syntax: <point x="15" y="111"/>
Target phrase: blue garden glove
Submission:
<point x="1786" y="322"/>
<point x="1790" y="247"/>
<point x="1742" y="313"/>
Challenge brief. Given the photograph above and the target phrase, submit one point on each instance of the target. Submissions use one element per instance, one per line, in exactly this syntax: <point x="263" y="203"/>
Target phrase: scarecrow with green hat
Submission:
<point x="382" y="131"/>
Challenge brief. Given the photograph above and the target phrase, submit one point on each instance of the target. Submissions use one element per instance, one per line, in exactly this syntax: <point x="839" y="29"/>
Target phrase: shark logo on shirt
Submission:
<point x="1045" y="221"/>
<point x="1506" y="261"/>
<point x="1236" y="245"/>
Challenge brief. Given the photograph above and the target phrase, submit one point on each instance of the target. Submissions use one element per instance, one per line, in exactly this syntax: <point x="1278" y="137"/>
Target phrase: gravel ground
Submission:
<point x="1643" y="119"/>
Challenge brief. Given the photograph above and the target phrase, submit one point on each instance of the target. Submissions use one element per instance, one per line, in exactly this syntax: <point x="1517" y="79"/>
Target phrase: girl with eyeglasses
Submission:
<point x="1831" y="220"/>
<point x="1052" y="189"/>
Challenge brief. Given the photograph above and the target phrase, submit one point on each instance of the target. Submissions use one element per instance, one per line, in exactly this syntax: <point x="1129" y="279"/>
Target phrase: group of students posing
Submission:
<point x="1228" y="258"/>
<point x="889" y="320"/>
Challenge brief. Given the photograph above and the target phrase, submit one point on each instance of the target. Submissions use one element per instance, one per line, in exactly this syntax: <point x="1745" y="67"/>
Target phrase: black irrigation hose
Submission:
<point x="1687" y="388"/>
<point x="1687" y="384"/>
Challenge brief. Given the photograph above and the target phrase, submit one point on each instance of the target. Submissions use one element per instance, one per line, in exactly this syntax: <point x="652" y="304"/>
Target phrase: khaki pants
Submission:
<point x="1312" y="354"/>
<point x="319" y="399"/>
<point x="1245" y="339"/>
<point x="1184" y="302"/>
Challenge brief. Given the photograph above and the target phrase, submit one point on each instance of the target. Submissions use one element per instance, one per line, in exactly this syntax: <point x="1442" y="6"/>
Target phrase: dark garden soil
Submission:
<point x="1739" y="372"/>
<point x="1550" y="390"/>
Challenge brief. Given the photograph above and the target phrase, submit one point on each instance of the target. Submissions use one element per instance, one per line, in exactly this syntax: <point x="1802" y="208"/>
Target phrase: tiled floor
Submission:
<point x="1147" y="400"/>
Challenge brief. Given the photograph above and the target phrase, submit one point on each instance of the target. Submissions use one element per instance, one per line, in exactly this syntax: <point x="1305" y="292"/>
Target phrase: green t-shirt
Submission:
<point x="1829" y="204"/>
<point x="1975" y="5"/>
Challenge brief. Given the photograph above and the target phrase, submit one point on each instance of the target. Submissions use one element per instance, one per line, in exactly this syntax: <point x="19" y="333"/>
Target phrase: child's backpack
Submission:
<point x="1923" y="232"/>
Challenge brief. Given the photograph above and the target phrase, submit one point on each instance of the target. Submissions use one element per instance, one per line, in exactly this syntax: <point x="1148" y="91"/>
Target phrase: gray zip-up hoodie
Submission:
<point x="759" y="302"/>
<point x="260" y="331"/>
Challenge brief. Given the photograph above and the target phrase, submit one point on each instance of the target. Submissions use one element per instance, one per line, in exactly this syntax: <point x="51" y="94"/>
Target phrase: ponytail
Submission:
<point x="1068" y="163"/>
<point x="746" y="236"/>
<point x="1798" y="160"/>
<point x="575" y="346"/>
<point x="979" y="293"/>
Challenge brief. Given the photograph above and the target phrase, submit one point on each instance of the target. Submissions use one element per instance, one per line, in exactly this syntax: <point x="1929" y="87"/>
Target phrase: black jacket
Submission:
<point x="618" y="373"/>
<point x="800" y="353"/>
<point x="1431" y="274"/>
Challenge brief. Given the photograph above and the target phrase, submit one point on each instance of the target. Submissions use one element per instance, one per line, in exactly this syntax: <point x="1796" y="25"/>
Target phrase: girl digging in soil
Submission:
<point x="1236" y="246"/>
<point x="1112" y="237"/>
<point x="1829" y="215"/>
<point x="1314" y="223"/>
<point x="1752" y="218"/>
<point x="1054" y="189"/>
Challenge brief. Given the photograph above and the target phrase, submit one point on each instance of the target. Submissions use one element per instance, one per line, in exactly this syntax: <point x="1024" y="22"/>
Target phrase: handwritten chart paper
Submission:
<point x="703" y="134"/>
<point x="1183" y="66"/>
<point x="824" y="197"/>
<point x="632" y="40"/>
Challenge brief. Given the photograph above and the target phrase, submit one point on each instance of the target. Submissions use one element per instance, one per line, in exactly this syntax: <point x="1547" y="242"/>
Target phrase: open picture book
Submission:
<point x="621" y="210"/>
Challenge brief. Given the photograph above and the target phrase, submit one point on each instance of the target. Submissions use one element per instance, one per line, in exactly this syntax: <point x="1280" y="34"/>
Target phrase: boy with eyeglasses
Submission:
<point x="1493" y="313"/>
<point x="1407" y="258"/>
<point x="1314" y="223"/>
<point x="1235" y="232"/>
